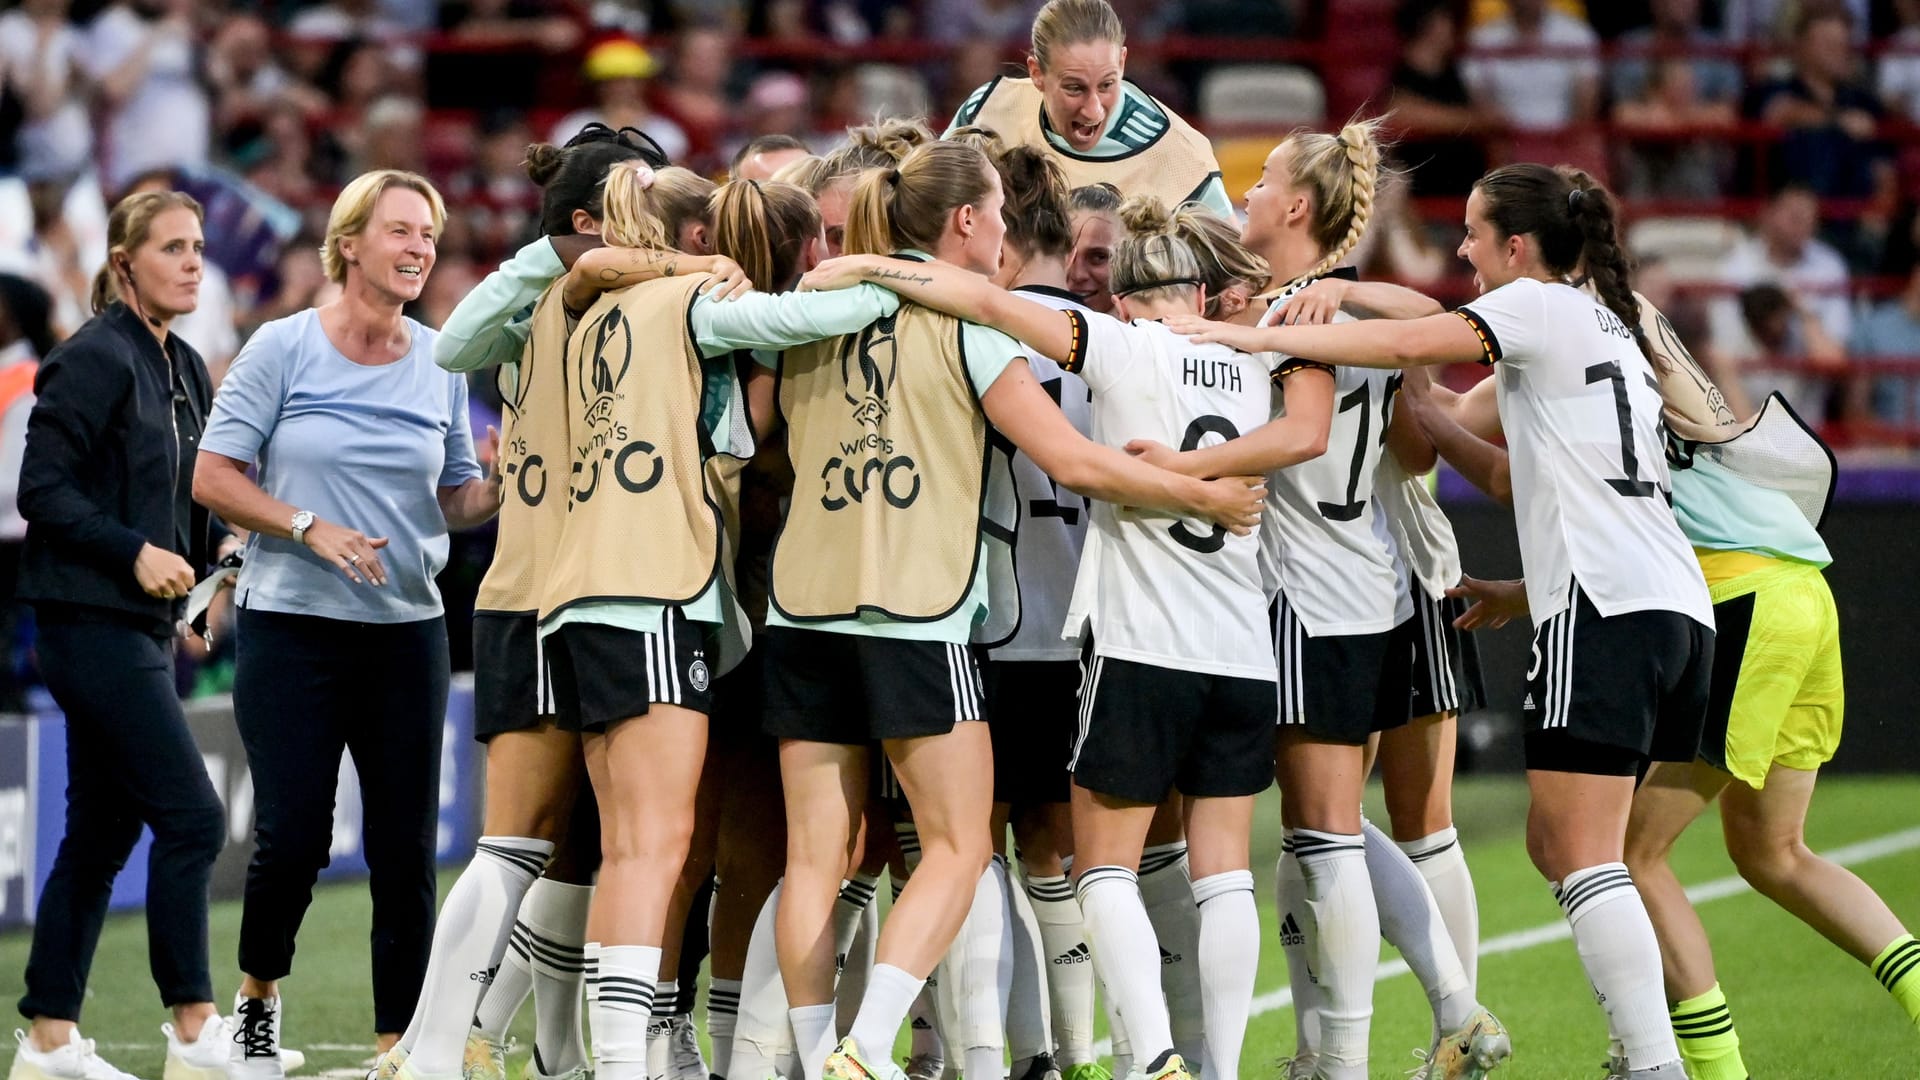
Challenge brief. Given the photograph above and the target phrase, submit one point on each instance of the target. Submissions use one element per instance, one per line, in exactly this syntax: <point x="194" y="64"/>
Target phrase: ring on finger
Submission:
<point x="355" y="559"/>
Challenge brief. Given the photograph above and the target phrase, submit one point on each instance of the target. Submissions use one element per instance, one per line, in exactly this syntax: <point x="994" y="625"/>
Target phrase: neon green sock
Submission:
<point x="1708" y="1044"/>
<point x="1898" y="969"/>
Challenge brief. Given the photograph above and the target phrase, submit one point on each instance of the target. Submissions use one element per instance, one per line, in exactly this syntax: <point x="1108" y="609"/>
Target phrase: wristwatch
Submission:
<point x="302" y="521"/>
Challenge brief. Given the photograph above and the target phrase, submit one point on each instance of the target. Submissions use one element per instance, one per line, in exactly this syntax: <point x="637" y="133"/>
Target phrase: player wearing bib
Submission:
<point x="1623" y="643"/>
<point x="515" y="321"/>
<point x="1182" y="669"/>
<point x="1076" y="105"/>
<point x="635" y="644"/>
<point x="901" y="476"/>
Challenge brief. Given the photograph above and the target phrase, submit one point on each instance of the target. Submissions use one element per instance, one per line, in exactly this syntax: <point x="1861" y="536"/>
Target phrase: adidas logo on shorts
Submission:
<point x="1290" y="931"/>
<point x="1527" y="704"/>
<point x="1079" y="954"/>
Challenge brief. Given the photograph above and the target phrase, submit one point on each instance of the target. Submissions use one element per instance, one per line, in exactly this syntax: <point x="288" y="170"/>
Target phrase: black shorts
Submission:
<point x="1343" y="687"/>
<point x="604" y="674"/>
<point x="1146" y="729"/>
<point x="1635" y="685"/>
<point x="1446" y="662"/>
<point x="851" y="689"/>
<point x="1034" y="705"/>
<point x="511" y="688"/>
<point x="740" y="698"/>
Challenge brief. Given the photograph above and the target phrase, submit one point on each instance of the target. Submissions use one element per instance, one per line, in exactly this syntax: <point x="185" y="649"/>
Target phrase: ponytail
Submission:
<point x="1574" y="223"/>
<point x="1155" y="261"/>
<point x="645" y="207"/>
<point x="907" y="206"/>
<point x="1596" y="216"/>
<point x="765" y="227"/>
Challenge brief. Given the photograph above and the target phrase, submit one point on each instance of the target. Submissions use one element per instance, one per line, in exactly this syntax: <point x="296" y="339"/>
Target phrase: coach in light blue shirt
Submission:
<point x="365" y="461"/>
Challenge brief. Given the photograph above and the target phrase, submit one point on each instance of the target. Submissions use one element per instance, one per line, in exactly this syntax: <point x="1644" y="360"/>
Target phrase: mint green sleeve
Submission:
<point x="1213" y="196"/>
<point x="988" y="353"/>
<point x="490" y="326"/>
<point x="774" y="321"/>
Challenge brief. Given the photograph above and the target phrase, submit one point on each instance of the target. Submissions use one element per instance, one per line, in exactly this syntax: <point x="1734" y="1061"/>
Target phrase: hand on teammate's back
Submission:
<point x="1495" y="603"/>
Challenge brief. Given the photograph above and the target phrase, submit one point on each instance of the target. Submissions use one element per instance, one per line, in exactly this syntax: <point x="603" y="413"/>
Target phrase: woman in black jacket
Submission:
<point x="113" y="546"/>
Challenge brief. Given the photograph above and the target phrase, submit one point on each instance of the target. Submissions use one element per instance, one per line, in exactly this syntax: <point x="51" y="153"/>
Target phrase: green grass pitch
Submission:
<point x="1805" y="1011"/>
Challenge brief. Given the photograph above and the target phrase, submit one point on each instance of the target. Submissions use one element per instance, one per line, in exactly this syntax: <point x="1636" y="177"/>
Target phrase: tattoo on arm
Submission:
<point x="672" y="265"/>
<point x="882" y="273"/>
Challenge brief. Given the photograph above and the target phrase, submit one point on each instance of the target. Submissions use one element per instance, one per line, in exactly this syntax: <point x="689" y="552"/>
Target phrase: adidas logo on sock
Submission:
<point x="1079" y="954"/>
<point x="920" y="1024"/>
<point x="1169" y="957"/>
<point x="484" y="978"/>
<point x="1290" y="931"/>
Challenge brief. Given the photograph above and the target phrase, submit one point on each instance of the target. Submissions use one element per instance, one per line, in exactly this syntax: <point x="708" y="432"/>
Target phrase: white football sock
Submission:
<point x="1298" y="942"/>
<point x="1411" y="923"/>
<point x="621" y="1009"/>
<point x="1028" y="1032"/>
<point x="1443" y="864"/>
<point x="723" y="1010"/>
<point x="1168" y="894"/>
<point x="813" y="1037"/>
<point x="1126" y="954"/>
<point x="853" y="945"/>
<point x="1622" y="958"/>
<point x="1069" y="967"/>
<point x="890" y="994"/>
<point x="1347" y="928"/>
<point x="976" y="975"/>
<point x="550" y="932"/>
<point x="468" y="940"/>
<point x="666" y="1002"/>
<point x="1228" y="959"/>
<point x="763" y="1040"/>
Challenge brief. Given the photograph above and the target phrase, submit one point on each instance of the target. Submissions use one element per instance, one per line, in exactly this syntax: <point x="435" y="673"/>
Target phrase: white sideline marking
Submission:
<point x="1878" y="847"/>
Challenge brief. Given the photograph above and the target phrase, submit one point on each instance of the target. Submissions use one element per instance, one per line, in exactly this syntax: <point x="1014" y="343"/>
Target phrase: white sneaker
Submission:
<point x="74" y="1061"/>
<point x="484" y="1059"/>
<point x="683" y="1045"/>
<point x="203" y="1059"/>
<point x="926" y="1067"/>
<point x="384" y="1065"/>
<point x="292" y="1060"/>
<point x="253" y="1051"/>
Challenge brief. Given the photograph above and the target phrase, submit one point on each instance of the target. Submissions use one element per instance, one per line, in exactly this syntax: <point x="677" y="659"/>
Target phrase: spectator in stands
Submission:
<point x="1428" y="96"/>
<point x="1673" y="161"/>
<point x="1785" y="252"/>
<point x="997" y="21"/>
<point x="1675" y="34"/>
<point x="1554" y="87"/>
<point x="247" y="80"/>
<point x="1890" y="332"/>
<point x="777" y="104"/>
<point x="513" y="24"/>
<point x="113" y="545"/>
<point x="345" y="20"/>
<point x="1899" y="83"/>
<point x="157" y="112"/>
<point x="497" y="200"/>
<point x="761" y="157"/>
<point x="620" y="69"/>
<point x="1776" y="324"/>
<point x="40" y="56"/>
<point x="696" y="96"/>
<point x="1833" y="121"/>
<point x="393" y="136"/>
<point x="1771" y="22"/>
<point x="57" y="255"/>
<point x="365" y="461"/>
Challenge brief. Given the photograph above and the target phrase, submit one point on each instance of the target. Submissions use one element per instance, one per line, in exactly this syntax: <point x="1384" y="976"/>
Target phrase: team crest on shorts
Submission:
<point x="697" y="675"/>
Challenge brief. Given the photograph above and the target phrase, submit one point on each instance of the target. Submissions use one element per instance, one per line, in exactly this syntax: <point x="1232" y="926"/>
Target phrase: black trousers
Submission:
<point x="130" y="762"/>
<point x="305" y="690"/>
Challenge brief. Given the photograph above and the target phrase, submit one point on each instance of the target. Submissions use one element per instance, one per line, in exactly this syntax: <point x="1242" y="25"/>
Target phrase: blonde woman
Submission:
<point x="1076" y="104"/>
<point x="365" y="462"/>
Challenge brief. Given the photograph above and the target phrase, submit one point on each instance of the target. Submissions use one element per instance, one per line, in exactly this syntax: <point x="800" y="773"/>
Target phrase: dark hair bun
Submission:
<point x="543" y="162"/>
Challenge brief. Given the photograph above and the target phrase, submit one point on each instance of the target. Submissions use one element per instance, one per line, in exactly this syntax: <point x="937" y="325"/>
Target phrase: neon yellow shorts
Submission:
<point x="1777" y="693"/>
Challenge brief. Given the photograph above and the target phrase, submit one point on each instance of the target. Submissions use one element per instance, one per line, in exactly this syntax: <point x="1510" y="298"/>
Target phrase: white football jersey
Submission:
<point x="1052" y="524"/>
<point x="1320" y="541"/>
<point x="1592" y="498"/>
<point x="1154" y="587"/>
<point x="1422" y="535"/>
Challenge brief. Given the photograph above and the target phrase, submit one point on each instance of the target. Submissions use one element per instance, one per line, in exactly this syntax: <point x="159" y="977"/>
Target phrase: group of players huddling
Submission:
<point x="1058" y="443"/>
